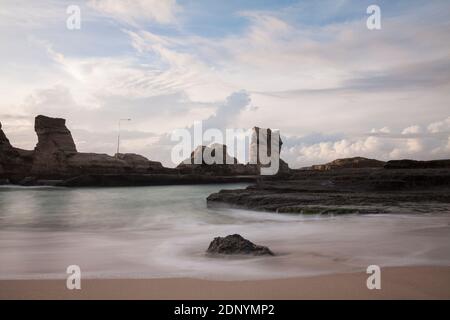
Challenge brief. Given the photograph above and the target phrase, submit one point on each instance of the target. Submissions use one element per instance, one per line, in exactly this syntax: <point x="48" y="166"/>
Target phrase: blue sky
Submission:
<point x="309" y="68"/>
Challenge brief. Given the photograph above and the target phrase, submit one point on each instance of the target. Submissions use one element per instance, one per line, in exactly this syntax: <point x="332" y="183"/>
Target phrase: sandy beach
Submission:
<point x="397" y="283"/>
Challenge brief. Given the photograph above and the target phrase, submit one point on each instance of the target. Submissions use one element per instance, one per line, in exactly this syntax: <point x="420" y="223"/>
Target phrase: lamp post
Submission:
<point x="118" y="136"/>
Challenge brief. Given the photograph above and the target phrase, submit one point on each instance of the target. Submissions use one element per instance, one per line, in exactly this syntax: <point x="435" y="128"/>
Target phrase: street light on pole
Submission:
<point x="118" y="137"/>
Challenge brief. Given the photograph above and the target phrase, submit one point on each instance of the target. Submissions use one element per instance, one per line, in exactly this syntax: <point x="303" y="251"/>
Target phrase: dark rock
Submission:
<point x="154" y="179"/>
<point x="366" y="190"/>
<point x="236" y="244"/>
<point x="4" y="142"/>
<point x="356" y="162"/>
<point x="28" y="181"/>
<point x="14" y="163"/>
<point x="139" y="163"/>
<point x="53" y="135"/>
<point x="55" y="143"/>
<point x="95" y="163"/>
<point x="229" y="165"/>
<point x="265" y="147"/>
<point x="56" y="157"/>
<point x="414" y="164"/>
<point x="32" y="181"/>
<point x="55" y="161"/>
<point x="220" y="169"/>
<point x="197" y="156"/>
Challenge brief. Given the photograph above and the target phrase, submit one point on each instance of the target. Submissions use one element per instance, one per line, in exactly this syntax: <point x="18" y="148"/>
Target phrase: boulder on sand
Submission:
<point x="236" y="244"/>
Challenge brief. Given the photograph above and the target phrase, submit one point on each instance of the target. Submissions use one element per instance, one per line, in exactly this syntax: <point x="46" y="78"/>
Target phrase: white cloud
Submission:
<point x="182" y="69"/>
<point x="135" y="12"/>
<point x="384" y="147"/>
<point x="338" y="76"/>
<point x="381" y="130"/>
<point x="335" y="78"/>
<point x="412" y="130"/>
<point x="327" y="151"/>
<point x="19" y="13"/>
<point x="224" y="117"/>
<point x="440" y="126"/>
<point x="409" y="148"/>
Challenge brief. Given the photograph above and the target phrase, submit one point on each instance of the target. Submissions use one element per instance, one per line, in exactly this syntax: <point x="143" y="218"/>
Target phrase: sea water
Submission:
<point x="163" y="231"/>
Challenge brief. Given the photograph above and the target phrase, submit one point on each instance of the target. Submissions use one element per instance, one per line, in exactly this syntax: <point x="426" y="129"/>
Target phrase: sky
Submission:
<point x="311" y="69"/>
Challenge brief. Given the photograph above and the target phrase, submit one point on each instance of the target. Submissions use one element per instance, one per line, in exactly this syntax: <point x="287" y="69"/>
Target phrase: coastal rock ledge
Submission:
<point x="236" y="244"/>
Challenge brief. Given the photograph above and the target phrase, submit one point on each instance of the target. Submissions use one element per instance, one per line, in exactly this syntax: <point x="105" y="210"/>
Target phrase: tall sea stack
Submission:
<point x="55" y="143"/>
<point x="261" y="141"/>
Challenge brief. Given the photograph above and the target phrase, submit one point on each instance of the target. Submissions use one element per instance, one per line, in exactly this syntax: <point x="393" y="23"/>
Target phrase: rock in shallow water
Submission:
<point x="236" y="244"/>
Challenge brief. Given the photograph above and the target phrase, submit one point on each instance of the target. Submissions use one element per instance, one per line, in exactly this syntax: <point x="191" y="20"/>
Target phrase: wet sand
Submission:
<point x="396" y="283"/>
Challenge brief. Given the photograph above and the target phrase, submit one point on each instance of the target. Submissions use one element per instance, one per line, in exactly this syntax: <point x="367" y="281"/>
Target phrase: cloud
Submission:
<point x="388" y="146"/>
<point x="181" y="69"/>
<point x="322" y="152"/>
<point x="225" y="117"/>
<point x="440" y="126"/>
<point x="299" y="74"/>
<point x="138" y="12"/>
<point x="18" y="14"/>
<point x="412" y="130"/>
<point x="313" y="70"/>
<point x="227" y="112"/>
<point x="382" y="130"/>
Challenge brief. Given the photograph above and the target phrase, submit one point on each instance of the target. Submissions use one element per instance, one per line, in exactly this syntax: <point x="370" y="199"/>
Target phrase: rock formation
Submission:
<point x="55" y="157"/>
<point x="413" y="164"/>
<point x="228" y="165"/>
<point x="53" y="136"/>
<point x="356" y="162"/>
<point x="5" y="148"/>
<point x="261" y="143"/>
<point x="264" y="146"/>
<point x="56" y="161"/>
<point x="96" y="163"/>
<point x="348" y="190"/>
<point x="14" y="162"/>
<point x="4" y="142"/>
<point x="198" y="155"/>
<point x="236" y="244"/>
<point x="55" y="144"/>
